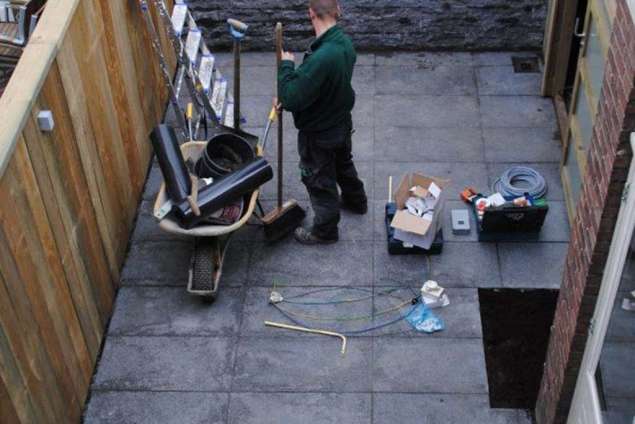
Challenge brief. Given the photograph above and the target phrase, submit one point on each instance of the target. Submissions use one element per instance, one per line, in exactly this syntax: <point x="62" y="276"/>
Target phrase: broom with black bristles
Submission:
<point x="285" y="218"/>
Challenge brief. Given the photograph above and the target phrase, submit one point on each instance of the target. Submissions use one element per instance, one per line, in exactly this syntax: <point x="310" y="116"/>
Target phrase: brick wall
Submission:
<point x="608" y="162"/>
<point x="386" y="24"/>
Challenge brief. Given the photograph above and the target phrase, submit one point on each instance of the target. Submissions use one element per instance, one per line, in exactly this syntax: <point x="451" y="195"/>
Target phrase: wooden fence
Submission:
<point x="68" y="198"/>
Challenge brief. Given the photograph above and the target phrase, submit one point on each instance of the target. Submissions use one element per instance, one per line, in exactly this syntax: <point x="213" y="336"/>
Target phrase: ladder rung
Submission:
<point x="192" y="44"/>
<point x="179" y="14"/>
<point x="219" y="96"/>
<point x="205" y="71"/>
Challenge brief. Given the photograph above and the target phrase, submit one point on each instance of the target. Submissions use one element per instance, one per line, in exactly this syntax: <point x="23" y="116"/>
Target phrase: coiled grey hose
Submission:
<point x="518" y="180"/>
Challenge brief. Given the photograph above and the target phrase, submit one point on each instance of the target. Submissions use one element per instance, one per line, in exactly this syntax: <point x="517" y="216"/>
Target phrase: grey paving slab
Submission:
<point x="157" y="407"/>
<point x="342" y="264"/>
<point x="300" y="408"/>
<point x="258" y="310"/>
<point x="443" y="80"/>
<point x="462" y="317"/>
<point x="364" y="111"/>
<point x="255" y="80"/>
<point x="522" y="145"/>
<point x="165" y="363"/>
<point x="618" y="374"/>
<point x="454" y="365"/>
<point x="430" y="60"/>
<point x="466" y="265"/>
<point x="171" y="311"/>
<point x="153" y="183"/>
<point x="620" y="410"/>
<point x="390" y="408"/>
<point x="621" y="323"/>
<point x="225" y="60"/>
<point x="503" y="81"/>
<point x="364" y="79"/>
<point x="426" y="111"/>
<point x="460" y="175"/>
<point x="517" y="112"/>
<point x="556" y="226"/>
<point x="398" y="270"/>
<point x="302" y="364"/>
<point x="158" y="261"/>
<point x="499" y="58"/>
<point x="428" y="144"/>
<point x="550" y="171"/>
<point x="532" y="265"/>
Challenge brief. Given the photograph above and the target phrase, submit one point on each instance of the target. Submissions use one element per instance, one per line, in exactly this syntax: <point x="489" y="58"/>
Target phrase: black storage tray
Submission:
<point x="509" y="223"/>
<point x="396" y="247"/>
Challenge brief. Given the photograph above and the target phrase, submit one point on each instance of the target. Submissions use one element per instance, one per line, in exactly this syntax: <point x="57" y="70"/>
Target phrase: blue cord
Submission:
<point x="334" y="302"/>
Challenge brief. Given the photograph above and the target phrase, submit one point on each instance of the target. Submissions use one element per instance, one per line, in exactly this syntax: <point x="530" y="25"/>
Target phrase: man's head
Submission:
<point x="324" y="10"/>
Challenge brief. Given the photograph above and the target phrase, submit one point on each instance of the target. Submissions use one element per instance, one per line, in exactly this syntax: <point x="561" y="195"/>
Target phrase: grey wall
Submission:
<point x="387" y="24"/>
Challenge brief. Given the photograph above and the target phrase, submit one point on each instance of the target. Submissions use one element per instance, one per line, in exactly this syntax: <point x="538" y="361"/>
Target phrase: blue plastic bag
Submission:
<point x="422" y="319"/>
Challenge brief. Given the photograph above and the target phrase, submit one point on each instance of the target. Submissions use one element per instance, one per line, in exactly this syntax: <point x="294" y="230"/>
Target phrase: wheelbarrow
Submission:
<point x="211" y="241"/>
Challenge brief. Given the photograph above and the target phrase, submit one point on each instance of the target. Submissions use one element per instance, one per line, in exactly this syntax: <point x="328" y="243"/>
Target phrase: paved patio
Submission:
<point x="170" y="358"/>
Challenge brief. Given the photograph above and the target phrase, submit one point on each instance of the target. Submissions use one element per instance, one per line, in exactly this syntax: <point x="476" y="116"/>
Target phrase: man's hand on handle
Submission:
<point x="277" y="105"/>
<point x="288" y="56"/>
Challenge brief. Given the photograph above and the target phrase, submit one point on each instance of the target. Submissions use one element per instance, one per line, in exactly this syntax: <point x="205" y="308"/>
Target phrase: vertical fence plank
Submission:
<point x="8" y="413"/>
<point x="74" y="269"/>
<point x="102" y="196"/>
<point x="122" y="78"/>
<point x="58" y="156"/>
<point x="42" y="285"/>
<point x="24" y="351"/>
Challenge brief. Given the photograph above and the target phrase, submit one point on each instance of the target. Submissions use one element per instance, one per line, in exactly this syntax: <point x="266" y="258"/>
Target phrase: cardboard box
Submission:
<point x="419" y="231"/>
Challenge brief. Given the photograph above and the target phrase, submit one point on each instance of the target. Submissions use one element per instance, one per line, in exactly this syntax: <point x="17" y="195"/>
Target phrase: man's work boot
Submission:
<point x="306" y="237"/>
<point x="358" y="208"/>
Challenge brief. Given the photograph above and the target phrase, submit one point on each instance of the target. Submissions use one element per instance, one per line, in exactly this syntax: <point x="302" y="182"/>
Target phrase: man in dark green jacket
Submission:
<point x="321" y="98"/>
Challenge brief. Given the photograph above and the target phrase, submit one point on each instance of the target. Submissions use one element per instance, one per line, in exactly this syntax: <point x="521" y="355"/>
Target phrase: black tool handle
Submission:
<point x="280" y="121"/>
<point x="237" y="84"/>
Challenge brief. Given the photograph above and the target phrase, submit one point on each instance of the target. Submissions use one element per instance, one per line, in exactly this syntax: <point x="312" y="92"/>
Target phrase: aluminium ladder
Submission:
<point x="196" y="67"/>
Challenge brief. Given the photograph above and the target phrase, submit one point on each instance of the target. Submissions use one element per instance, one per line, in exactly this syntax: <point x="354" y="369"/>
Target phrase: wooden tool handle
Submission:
<point x="278" y="43"/>
<point x="280" y="123"/>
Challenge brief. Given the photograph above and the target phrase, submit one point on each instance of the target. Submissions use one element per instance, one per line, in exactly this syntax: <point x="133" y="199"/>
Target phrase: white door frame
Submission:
<point x="585" y="407"/>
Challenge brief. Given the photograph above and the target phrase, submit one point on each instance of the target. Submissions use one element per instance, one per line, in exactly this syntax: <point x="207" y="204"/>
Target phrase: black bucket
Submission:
<point x="224" y="154"/>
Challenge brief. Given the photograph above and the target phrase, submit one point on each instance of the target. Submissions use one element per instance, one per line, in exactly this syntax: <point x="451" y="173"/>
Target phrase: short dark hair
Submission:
<point x="324" y="8"/>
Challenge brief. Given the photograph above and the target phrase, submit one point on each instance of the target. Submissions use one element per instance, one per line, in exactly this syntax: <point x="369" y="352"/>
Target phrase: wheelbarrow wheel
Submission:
<point x="206" y="266"/>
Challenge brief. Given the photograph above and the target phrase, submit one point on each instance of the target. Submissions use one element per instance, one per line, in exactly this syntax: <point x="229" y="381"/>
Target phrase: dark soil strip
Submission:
<point x="516" y="327"/>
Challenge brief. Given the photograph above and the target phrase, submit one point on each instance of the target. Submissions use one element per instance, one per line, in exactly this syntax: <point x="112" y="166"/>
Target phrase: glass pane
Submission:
<point x="583" y="115"/>
<point x="616" y="373"/>
<point x="572" y="169"/>
<point x="594" y="59"/>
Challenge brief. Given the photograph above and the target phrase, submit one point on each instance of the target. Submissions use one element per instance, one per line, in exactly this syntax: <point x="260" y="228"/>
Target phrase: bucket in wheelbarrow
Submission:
<point x="224" y="154"/>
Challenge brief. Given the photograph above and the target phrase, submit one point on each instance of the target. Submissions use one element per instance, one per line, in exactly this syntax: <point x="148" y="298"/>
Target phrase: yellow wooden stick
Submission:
<point x="309" y="330"/>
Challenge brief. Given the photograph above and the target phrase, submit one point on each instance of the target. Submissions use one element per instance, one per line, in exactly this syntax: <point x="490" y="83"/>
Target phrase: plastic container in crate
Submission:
<point x="396" y="247"/>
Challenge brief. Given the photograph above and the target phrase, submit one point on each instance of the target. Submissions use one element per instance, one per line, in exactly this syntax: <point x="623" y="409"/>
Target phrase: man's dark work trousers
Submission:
<point x="326" y="161"/>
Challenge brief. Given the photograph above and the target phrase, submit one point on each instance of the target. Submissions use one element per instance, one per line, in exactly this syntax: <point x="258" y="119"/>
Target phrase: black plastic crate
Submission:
<point x="510" y="223"/>
<point x="396" y="247"/>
